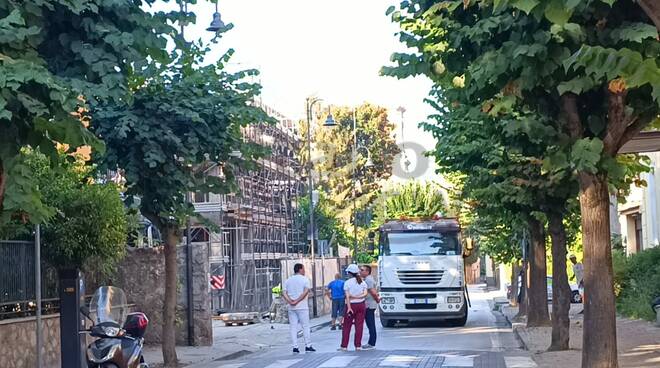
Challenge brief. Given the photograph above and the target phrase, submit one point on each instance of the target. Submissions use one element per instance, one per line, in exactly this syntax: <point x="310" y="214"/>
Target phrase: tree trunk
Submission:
<point x="652" y="9"/>
<point x="172" y="237"/>
<point x="561" y="291"/>
<point x="537" y="297"/>
<point x="515" y="270"/>
<point x="3" y="183"/>
<point x="599" y="342"/>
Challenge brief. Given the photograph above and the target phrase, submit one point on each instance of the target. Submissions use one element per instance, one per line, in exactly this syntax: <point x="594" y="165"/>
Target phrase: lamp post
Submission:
<point x="329" y="122"/>
<point x="368" y="164"/>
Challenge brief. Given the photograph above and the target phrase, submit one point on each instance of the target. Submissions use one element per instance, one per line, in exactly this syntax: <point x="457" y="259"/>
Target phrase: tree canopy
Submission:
<point x="581" y="77"/>
<point x="55" y="57"/>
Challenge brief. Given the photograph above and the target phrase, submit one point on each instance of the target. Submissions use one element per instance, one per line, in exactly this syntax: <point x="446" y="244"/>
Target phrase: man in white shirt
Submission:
<point x="295" y="292"/>
<point x="578" y="275"/>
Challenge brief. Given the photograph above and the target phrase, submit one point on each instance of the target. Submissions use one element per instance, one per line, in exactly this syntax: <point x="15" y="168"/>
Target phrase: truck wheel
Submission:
<point x="386" y="322"/>
<point x="460" y="322"/>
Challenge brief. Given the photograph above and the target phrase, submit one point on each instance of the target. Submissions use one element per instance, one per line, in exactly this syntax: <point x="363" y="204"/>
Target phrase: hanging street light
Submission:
<point x="217" y="23"/>
<point x="330" y="121"/>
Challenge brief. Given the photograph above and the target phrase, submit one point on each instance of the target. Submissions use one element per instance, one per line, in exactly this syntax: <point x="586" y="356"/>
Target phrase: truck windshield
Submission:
<point x="421" y="243"/>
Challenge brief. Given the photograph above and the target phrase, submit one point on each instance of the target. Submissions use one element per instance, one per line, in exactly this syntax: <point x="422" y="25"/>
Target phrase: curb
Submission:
<point x="521" y="341"/>
<point x="516" y="334"/>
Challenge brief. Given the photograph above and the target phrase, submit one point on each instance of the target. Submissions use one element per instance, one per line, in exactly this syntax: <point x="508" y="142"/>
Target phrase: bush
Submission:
<point x="620" y="266"/>
<point x="640" y="283"/>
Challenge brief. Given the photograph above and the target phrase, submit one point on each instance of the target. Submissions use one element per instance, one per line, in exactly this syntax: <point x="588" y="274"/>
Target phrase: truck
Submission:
<point x="421" y="273"/>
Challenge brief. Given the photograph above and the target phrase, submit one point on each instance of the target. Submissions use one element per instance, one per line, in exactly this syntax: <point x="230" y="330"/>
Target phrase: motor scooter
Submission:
<point x="119" y="334"/>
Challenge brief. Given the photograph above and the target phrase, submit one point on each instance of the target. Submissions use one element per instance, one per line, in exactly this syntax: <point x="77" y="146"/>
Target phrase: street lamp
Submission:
<point x="369" y="164"/>
<point x="329" y="122"/>
<point x="217" y="23"/>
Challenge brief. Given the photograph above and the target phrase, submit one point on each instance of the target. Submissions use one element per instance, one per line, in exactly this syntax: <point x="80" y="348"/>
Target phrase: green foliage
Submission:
<point x="89" y="222"/>
<point x="620" y="267"/>
<point x="523" y="94"/>
<point x="413" y="199"/>
<point x="335" y="147"/>
<point x="55" y="56"/>
<point x="365" y="258"/>
<point x="639" y="280"/>
<point x="184" y="118"/>
<point x="329" y="227"/>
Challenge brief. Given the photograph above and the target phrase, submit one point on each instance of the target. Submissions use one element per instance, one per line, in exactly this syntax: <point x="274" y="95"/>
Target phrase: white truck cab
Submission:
<point x="421" y="274"/>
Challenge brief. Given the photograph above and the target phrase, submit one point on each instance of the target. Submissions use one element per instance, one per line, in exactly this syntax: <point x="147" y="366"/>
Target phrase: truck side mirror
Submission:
<point x="468" y="246"/>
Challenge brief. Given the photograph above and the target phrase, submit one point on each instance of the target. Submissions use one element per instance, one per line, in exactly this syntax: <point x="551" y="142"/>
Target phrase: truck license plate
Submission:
<point x="421" y="301"/>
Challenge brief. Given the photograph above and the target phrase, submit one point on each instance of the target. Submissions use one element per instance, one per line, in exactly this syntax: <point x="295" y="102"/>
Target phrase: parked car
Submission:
<point x="575" y="291"/>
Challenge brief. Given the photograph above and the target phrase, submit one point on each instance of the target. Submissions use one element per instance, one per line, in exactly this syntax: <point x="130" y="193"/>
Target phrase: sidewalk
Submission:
<point x="638" y="341"/>
<point x="233" y="342"/>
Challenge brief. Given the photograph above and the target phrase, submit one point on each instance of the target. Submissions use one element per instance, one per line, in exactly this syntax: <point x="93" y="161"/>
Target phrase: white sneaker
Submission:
<point x="368" y="347"/>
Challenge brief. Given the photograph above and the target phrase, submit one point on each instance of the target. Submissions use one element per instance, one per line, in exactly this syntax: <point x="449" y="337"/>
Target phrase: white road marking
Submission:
<point x="452" y="360"/>
<point x="519" y="362"/>
<point x="233" y="365"/>
<point x="398" y="361"/>
<point x="495" y="341"/>
<point x="284" y="363"/>
<point x="338" y="361"/>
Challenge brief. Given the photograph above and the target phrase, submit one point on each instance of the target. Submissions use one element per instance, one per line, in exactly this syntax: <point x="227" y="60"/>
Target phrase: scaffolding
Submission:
<point x="258" y="225"/>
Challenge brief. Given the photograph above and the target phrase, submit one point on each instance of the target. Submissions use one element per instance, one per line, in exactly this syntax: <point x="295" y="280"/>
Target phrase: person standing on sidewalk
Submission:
<point x="372" y="301"/>
<point x="356" y="291"/>
<point x="296" y="290"/>
<point x="578" y="276"/>
<point x="335" y="292"/>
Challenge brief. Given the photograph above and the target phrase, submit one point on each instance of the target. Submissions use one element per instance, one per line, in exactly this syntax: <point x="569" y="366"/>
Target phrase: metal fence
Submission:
<point x="17" y="281"/>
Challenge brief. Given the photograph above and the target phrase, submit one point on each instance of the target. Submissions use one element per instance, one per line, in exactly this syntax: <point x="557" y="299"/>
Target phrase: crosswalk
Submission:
<point x="394" y="359"/>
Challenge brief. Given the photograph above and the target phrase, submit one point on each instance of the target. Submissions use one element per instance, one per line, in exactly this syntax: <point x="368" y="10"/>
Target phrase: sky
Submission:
<point x="332" y="49"/>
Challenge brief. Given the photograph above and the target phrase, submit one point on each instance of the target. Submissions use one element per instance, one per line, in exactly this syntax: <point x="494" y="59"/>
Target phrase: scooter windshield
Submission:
<point x="109" y="305"/>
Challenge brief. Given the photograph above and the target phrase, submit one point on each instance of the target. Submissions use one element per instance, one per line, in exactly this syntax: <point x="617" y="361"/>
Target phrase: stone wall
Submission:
<point x="18" y="342"/>
<point x="142" y="276"/>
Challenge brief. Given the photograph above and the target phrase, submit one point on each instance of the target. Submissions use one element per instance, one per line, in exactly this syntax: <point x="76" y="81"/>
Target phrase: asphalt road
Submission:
<point x="485" y="342"/>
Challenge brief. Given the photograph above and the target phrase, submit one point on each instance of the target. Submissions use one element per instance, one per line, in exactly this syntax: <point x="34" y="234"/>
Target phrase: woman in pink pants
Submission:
<point x="356" y="291"/>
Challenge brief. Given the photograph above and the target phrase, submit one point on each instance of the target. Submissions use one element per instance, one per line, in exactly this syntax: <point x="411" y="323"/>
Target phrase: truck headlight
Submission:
<point x="453" y="299"/>
<point x="387" y="300"/>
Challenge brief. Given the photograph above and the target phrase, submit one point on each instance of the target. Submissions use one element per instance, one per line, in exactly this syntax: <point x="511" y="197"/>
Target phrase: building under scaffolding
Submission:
<point x="258" y="226"/>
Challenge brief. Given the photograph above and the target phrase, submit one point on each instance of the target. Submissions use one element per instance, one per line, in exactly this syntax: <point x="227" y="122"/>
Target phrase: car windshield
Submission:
<point x="421" y="243"/>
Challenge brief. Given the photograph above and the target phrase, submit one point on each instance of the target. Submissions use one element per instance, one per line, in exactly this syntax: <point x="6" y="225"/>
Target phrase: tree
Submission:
<point x="335" y="146"/>
<point x="329" y="227"/>
<point x="55" y="56"/>
<point x="89" y="221"/>
<point x="179" y="118"/>
<point x="589" y="67"/>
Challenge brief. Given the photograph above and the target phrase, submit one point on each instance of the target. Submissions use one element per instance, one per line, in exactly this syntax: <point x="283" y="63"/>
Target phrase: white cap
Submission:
<point x="352" y="268"/>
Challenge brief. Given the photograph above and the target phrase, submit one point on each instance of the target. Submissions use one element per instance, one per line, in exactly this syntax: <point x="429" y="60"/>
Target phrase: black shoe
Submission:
<point x="333" y="328"/>
<point x="310" y="349"/>
<point x="296" y="351"/>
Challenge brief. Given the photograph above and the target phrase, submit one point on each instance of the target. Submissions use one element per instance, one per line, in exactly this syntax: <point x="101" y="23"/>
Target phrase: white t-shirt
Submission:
<point x="294" y="287"/>
<point x="578" y="271"/>
<point x="351" y="287"/>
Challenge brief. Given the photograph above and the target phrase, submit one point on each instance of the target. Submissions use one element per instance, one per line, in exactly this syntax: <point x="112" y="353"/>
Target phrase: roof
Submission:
<point x="644" y="142"/>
